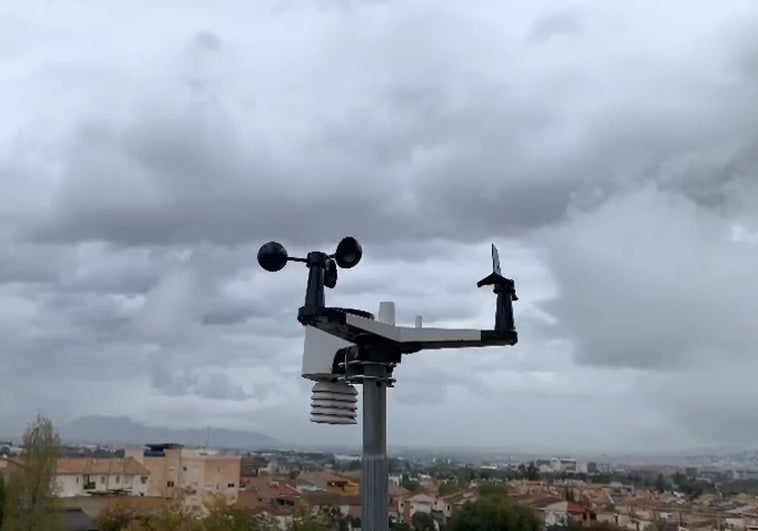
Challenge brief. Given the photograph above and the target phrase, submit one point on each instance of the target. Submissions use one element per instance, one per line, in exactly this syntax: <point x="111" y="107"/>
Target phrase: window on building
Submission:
<point x="118" y="479"/>
<point x="169" y="483"/>
<point x="184" y="469"/>
<point x="230" y="485"/>
<point x="143" y="479"/>
<point x="102" y="479"/>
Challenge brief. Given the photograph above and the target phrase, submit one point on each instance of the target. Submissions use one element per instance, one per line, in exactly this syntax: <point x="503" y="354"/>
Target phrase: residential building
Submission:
<point x="565" y="513"/>
<point x="418" y="503"/>
<point x="196" y="474"/>
<point x="329" y="481"/>
<point x="83" y="476"/>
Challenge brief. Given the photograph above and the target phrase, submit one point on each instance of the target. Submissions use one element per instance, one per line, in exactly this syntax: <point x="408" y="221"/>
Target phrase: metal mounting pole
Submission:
<point x="375" y="477"/>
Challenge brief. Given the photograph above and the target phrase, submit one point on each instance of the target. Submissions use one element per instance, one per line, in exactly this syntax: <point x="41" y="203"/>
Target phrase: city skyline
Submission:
<point x="607" y="148"/>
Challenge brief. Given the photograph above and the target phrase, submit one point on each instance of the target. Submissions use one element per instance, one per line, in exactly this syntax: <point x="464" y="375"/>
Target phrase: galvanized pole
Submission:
<point x="375" y="477"/>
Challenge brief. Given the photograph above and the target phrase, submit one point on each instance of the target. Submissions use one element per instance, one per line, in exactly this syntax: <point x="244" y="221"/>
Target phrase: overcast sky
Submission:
<point x="609" y="148"/>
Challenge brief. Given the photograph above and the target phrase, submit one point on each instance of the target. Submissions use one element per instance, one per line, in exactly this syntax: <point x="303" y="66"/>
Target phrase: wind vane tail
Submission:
<point x="496" y="279"/>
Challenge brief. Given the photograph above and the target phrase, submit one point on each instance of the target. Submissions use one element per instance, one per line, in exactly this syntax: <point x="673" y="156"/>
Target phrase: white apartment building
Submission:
<point x="84" y="476"/>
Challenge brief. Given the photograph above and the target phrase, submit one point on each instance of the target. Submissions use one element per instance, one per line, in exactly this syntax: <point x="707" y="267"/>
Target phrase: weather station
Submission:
<point x="345" y="347"/>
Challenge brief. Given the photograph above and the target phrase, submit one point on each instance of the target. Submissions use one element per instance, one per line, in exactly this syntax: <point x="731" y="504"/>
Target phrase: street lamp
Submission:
<point x="346" y="347"/>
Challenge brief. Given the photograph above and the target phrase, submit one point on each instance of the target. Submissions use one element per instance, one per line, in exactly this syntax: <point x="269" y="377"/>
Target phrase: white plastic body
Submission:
<point x="320" y="347"/>
<point x="318" y="354"/>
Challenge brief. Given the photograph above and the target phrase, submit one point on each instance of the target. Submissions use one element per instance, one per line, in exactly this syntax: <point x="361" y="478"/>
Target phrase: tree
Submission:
<point x="422" y="522"/>
<point x="660" y="483"/>
<point x="488" y="490"/>
<point x="335" y="518"/>
<point x="30" y="503"/>
<point x="116" y="517"/>
<point x="409" y="484"/>
<point x="532" y="473"/>
<point x="304" y="520"/>
<point x="449" y="487"/>
<point x="223" y="516"/>
<point x="492" y="513"/>
<point x="170" y="516"/>
<point x="2" y="499"/>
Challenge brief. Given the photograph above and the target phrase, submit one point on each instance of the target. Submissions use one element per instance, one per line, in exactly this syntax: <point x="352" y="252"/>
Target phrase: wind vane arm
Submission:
<point x="351" y="326"/>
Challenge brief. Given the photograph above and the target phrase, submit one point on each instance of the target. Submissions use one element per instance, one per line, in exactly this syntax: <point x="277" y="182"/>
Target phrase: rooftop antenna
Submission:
<point x="345" y="347"/>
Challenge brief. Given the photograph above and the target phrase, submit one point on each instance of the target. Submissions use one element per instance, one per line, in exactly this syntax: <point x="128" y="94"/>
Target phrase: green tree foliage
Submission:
<point x="30" y="503"/>
<point x="2" y="499"/>
<point x="115" y="518"/>
<point x="490" y="490"/>
<point x="494" y="513"/>
<point x="660" y="483"/>
<point x="173" y="516"/>
<point x="336" y="519"/>
<point x="532" y="472"/>
<point x="411" y="485"/>
<point x="303" y="519"/>
<point x="422" y="522"/>
<point x="223" y="516"/>
<point x="450" y="487"/>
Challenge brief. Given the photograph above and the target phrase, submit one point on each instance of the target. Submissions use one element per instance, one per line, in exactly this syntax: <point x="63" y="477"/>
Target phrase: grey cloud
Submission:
<point x="24" y="263"/>
<point x="662" y="290"/>
<point x="557" y="23"/>
<point x="721" y="412"/>
<point x="208" y="40"/>
<point x="129" y="240"/>
<point x="723" y="181"/>
<point x="227" y="315"/>
<point x="213" y="386"/>
<point x="186" y="175"/>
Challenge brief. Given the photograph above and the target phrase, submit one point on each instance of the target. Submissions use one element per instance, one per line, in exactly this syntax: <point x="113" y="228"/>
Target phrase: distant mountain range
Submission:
<point x="123" y="430"/>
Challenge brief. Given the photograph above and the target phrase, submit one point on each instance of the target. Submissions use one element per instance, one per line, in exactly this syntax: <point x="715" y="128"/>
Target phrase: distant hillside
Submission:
<point x="122" y="430"/>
